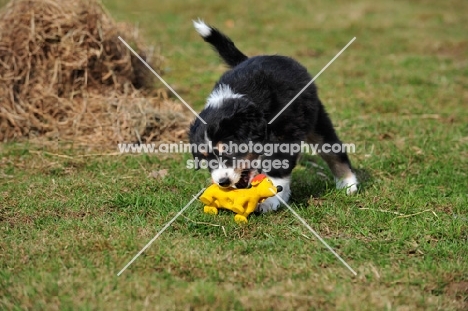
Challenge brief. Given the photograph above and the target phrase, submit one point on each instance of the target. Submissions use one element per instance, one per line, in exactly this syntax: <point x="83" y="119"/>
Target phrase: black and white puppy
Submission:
<point x="239" y="109"/>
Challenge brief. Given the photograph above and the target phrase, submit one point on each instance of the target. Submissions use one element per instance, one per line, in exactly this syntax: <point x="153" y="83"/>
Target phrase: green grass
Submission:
<point x="69" y="220"/>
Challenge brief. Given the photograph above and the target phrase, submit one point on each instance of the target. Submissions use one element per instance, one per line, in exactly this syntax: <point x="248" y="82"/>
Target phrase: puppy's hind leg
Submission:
<point x="332" y="151"/>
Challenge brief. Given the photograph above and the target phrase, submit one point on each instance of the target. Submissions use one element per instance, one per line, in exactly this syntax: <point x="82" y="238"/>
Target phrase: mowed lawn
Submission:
<point x="71" y="220"/>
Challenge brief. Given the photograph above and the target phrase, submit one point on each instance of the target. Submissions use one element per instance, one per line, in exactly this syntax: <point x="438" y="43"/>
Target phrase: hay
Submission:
<point x="66" y="76"/>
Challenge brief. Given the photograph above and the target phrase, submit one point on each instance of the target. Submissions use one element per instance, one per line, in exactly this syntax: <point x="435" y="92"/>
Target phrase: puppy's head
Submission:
<point x="231" y="126"/>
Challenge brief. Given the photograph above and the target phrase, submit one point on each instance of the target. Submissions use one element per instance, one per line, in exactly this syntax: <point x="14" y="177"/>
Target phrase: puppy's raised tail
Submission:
<point x="222" y="44"/>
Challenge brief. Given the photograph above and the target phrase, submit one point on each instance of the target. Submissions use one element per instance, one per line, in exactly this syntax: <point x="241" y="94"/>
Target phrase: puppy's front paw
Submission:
<point x="269" y="205"/>
<point x="349" y="183"/>
<point x="351" y="189"/>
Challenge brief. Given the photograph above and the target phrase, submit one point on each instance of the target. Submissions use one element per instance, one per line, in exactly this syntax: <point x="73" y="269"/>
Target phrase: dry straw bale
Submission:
<point x="66" y="76"/>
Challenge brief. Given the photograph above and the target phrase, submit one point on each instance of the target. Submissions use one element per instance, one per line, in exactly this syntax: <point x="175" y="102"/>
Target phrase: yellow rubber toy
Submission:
<point x="241" y="201"/>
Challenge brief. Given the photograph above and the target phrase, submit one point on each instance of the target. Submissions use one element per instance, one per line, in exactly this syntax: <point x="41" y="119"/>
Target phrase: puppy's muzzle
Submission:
<point x="224" y="182"/>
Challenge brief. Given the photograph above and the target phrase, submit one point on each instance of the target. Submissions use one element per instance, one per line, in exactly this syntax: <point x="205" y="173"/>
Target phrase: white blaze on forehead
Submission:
<point x="221" y="92"/>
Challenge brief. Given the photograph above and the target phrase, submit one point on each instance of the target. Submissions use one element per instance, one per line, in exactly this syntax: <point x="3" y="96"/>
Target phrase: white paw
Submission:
<point x="349" y="183"/>
<point x="351" y="189"/>
<point x="269" y="205"/>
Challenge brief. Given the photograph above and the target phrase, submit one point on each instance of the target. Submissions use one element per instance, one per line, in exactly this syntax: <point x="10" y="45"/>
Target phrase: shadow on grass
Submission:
<point x="365" y="179"/>
<point x="312" y="179"/>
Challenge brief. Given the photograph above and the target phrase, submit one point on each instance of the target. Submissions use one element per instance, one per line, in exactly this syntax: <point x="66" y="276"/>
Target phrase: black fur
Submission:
<point x="267" y="84"/>
<point x="225" y="47"/>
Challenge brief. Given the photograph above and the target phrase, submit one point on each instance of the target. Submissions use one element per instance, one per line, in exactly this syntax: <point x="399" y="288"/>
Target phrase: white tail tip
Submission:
<point x="203" y="29"/>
